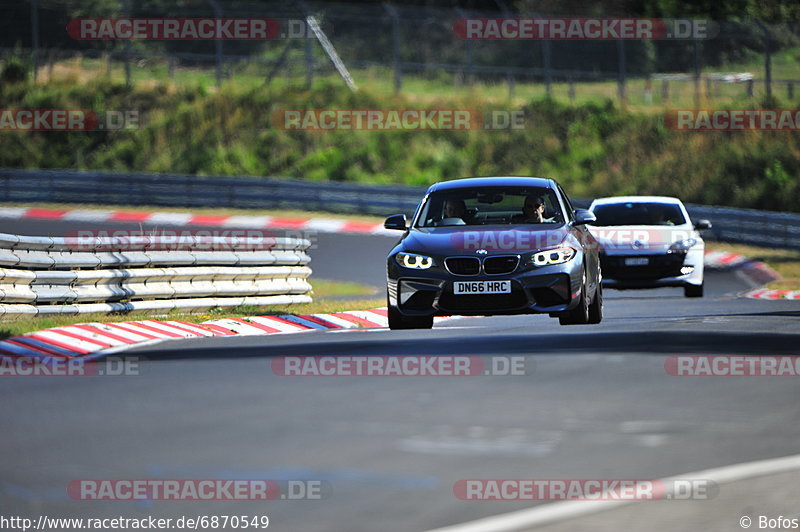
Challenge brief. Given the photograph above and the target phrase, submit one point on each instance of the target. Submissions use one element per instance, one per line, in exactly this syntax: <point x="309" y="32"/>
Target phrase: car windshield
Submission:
<point x="491" y="206"/>
<point x="636" y="213"/>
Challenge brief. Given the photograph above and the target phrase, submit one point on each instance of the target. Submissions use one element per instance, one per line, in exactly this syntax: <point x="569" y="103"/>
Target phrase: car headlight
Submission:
<point x="553" y="256"/>
<point x="414" y="261"/>
<point x="682" y="246"/>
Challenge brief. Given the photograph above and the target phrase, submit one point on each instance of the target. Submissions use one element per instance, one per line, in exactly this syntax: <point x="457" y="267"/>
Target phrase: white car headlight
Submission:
<point x="682" y="245"/>
<point x="553" y="256"/>
<point x="414" y="261"/>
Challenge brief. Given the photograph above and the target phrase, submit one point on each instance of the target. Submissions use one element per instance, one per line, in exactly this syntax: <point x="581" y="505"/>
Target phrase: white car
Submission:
<point x="647" y="242"/>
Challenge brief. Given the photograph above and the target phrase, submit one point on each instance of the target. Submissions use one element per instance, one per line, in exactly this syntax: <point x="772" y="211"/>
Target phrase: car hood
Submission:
<point x="494" y="239"/>
<point x="640" y="238"/>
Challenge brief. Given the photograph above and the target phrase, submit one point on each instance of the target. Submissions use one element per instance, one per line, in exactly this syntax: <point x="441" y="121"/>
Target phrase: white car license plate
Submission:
<point x="482" y="287"/>
<point x="637" y="261"/>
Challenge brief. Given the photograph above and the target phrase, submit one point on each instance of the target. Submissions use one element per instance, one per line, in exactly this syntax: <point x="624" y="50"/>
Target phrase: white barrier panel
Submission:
<point x="56" y="275"/>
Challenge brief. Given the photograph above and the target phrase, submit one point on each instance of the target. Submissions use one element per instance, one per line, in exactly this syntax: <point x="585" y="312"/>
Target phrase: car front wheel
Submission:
<point x="398" y="321"/>
<point x="693" y="290"/>
<point x="580" y="314"/>
<point x="596" y="308"/>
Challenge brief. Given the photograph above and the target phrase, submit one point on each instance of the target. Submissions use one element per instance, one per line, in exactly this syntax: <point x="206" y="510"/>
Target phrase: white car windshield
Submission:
<point x="636" y="213"/>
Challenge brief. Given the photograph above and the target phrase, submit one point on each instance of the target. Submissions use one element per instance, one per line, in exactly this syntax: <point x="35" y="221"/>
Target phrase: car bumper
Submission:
<point x="679" y="269"/>
<point x="544" y="290"/>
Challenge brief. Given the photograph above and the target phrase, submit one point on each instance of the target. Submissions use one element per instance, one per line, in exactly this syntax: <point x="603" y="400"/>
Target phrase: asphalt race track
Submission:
<point x="594" y="402"/>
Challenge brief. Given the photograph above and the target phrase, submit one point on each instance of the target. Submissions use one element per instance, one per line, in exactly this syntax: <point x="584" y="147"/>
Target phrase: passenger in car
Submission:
<point x="455" y="212"/>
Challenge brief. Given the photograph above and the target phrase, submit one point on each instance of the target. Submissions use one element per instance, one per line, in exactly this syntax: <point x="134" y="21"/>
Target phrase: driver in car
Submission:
<point x="532" y="211"/>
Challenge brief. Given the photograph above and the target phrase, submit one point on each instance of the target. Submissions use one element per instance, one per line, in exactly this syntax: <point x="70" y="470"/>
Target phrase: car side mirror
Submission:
<point x="702" y="225"/>
<point x="583" y="217"/>
<point x="395" y="222"/>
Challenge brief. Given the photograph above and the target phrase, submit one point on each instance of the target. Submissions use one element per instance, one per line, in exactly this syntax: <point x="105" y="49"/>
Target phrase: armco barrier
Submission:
<point x="743" y="226"/>
<point x="65" y="275"/>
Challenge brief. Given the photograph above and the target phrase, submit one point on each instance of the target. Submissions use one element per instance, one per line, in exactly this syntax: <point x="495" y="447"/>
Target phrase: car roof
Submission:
<point x="636" y="199"/>
<point x="507" y="181"/>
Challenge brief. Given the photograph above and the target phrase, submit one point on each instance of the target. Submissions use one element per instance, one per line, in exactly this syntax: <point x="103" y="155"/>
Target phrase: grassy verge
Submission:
<point x="426" y="91"/>
<point x="785" y="262"/>
<point x="323" y="291"/>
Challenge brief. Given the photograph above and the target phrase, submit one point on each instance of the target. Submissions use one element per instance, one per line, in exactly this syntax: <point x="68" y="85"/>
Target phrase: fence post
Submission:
<point x="309" y="63"/>
<point x="767" y="57"/>
<point x="571" y="90"/>
<point x="218" y="13"/>
<point x="790" y="90"/>
<point x="622" y="71"/>
<point x="665" y="91"/>
<point x="696" y="54"/>
<point x="510" y="79"/>
<point x="126" y="13"/>
<point x="548" y="74"/>
<point x="35" y="37"/>
<point x="398" y="73"/>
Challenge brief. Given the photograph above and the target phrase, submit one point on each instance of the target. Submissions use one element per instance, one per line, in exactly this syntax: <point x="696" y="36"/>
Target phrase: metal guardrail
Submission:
<point x="70" y="275"/>
<point x="64" y="186"/>
<point x="744" y="226"/>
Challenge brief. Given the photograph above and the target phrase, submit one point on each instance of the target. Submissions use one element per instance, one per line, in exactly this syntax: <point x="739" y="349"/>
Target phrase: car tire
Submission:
<point x="580" y="314"/>
<point x="596" y="308"/>
<point x="399" y="322"/>
<point x="693" y="290"/>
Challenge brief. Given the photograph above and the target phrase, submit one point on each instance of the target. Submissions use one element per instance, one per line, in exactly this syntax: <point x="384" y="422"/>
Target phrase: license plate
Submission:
<point x="482" y="287"/>
<point x="637" y="261"/>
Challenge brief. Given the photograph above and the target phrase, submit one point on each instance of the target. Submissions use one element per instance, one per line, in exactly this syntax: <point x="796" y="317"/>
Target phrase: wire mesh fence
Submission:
<point x="395" y="43"/>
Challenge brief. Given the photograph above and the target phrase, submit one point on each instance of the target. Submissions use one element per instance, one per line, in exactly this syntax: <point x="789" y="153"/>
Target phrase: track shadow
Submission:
<point x="651" y="343"/>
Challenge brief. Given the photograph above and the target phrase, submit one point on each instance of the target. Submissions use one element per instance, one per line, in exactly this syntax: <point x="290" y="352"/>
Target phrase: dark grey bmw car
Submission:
<point x="494" y="245"/>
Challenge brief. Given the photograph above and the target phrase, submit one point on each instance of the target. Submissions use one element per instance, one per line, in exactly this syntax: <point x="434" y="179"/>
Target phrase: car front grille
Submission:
<point x="500" y="265"/>
<point x="463" y="265"/>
